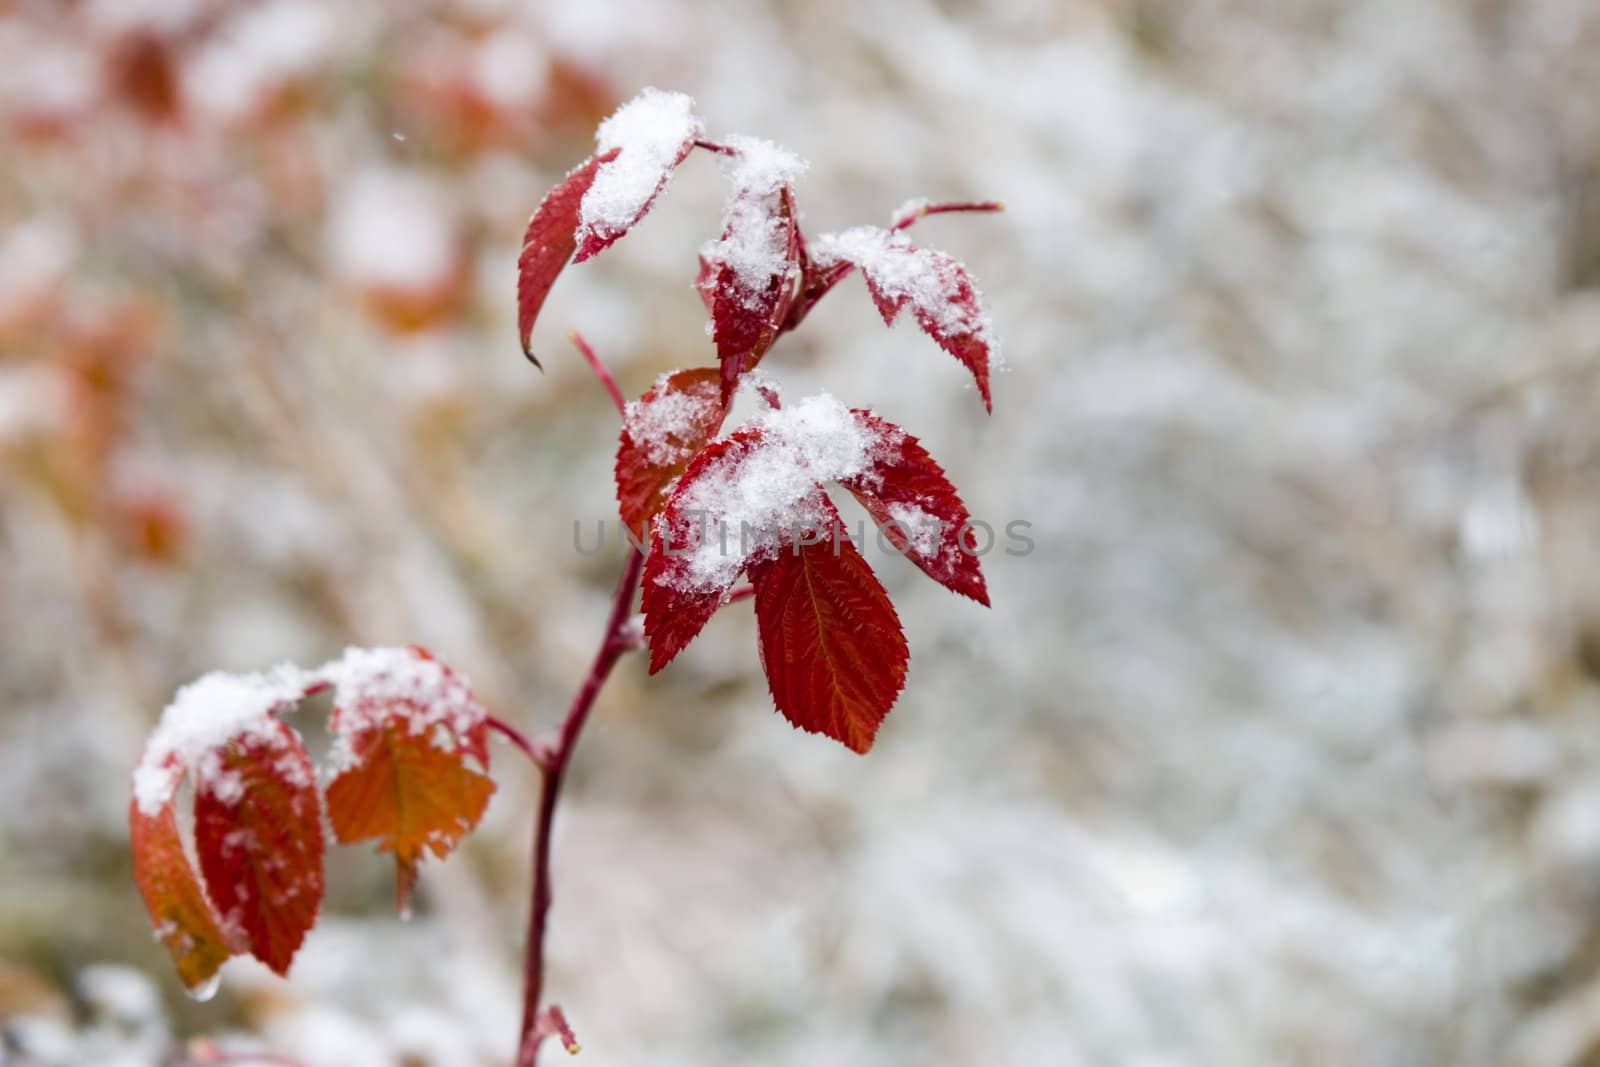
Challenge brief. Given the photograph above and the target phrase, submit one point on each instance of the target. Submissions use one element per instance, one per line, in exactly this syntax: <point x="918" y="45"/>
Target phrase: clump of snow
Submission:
<point x="377" y="686"/>
<point x="653" y="131"/>
<point x="206" y="716"/>
<point x="664" y="418"/>
<point x="754" y="243"/>
<point x="393" y="229"/>
<point x="937" y="287"/>
<point x="771" y="489"/>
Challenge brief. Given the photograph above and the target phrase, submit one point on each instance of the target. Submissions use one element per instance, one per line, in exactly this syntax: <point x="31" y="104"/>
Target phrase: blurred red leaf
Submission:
<point x="831" y="644"/>
<point x="182" y="917"/>
<point x="258" y="834"/>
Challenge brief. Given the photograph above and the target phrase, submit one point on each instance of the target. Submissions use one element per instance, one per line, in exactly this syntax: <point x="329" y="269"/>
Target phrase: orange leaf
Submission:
<point x="183" y="920"/>
<point x="405" y="724"/>
<point x="258" y="832"/>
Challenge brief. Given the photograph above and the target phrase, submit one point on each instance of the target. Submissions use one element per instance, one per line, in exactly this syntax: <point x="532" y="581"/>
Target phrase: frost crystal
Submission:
<point x="652" y="130"/>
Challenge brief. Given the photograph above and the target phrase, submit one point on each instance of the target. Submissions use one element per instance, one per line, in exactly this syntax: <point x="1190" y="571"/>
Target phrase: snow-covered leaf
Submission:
<point x="943" y="299"/>
<point x="742" y="497"/>
<point x="404" y="725"/>
<point x="661" y="432"/>
<point x="636" y="151"/>
<point x="258" y="834"/>
<point x="748" y="277"/>
<point x="917" y="509"/>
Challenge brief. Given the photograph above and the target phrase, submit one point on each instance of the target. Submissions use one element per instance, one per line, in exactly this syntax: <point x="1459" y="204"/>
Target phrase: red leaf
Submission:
<point x="679" y="598"/>
<point x="661" y="432"/>
<point x="549" y="242"/>
<point x="405" y="724"/>
<point x="258" y="833"/>
<point x="183" y="920"/>
<point x="831" y="643"/>
<point x="652" y="134"/>
<point x="943" y="299"/>
<point x="917" y="509"/>
<point x="747" y="279"/>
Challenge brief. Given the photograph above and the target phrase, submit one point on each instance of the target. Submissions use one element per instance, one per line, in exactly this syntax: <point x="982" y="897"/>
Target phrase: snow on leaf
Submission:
<point x="661" y="432"/>
<point x="831" y="644"/>
<point x="943" y="299"/>
<point x="649" y="136"/>
<point x="549" y="242"/>
<point x="258" y="834"/>
<point x="741" y="498"/>
<point x="918" y="510"/>
<point x="404" y="724"/>
<point x="182" y="917"/>
<point x="747" y="277"/>
<point x="203" y="718"/>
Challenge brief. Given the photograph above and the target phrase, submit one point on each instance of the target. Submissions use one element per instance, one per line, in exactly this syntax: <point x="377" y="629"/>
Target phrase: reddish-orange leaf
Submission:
<point x="917" y="510"/>
<point x="183" y="920"/>
<point x="549" y="243"/>
<point x="661" y="432"/>
<point x="831" y="643"/>
<point x="405" y="725"/>
<point x="258" y="834"/>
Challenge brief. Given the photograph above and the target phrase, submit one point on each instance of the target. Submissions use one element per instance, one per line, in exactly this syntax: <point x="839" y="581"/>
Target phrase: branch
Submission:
<point x="600" y="370"/>
<point x="516" y="737"/>
<point x="612" y="645"/>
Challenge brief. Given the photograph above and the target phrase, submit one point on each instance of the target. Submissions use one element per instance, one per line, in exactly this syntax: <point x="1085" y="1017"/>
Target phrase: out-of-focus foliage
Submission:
<point x="1279" y="747"/>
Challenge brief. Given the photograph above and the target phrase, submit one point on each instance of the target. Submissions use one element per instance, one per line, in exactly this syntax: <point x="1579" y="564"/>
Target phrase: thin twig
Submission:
<point x="600" y="371"/>
<point x="924" y="210"/>
<point x="612" y="647"/>
<point x="516" y="737"/>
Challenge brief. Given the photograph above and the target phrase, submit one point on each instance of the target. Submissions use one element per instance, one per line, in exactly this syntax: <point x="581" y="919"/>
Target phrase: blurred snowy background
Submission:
<point x="1282" y="748"/>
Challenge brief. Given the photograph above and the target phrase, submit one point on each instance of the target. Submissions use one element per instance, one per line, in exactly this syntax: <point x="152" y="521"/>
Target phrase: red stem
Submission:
<point x="612" y="646"/>
<point x="600" y="371"/>
<point x="516" y="737"/>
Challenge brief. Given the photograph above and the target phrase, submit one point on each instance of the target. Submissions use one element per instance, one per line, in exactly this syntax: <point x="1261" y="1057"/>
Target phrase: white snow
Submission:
<point x="374" y="685"/>
<point x="753" y="241"/>
<point x="772" y="489"/>
<point x="923" y="529"/>
<point x="202" y="720"/>
<point x="930" y="281"/>
<point x="660" y="422"/>
<point x="651" y="131"/>
<point x="219" y="709"/>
